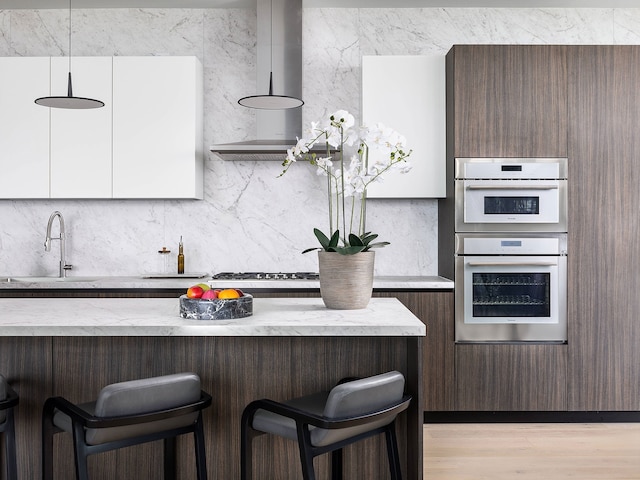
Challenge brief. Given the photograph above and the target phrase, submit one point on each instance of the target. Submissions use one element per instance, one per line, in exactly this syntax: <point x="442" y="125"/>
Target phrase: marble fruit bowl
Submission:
<point x="216" y="309"/>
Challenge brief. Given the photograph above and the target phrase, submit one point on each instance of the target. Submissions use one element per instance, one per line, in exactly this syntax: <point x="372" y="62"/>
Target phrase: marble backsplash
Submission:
<point x="251" y="220"/>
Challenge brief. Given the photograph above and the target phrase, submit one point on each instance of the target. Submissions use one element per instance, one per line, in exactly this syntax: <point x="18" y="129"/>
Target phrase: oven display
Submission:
<point x="511" y="295"/>
<point x="511" y="205"/>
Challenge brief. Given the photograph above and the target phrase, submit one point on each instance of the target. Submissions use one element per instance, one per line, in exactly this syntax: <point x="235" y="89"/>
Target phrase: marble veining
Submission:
<point x="160" y="317"/>
<point x="250" y="219"/>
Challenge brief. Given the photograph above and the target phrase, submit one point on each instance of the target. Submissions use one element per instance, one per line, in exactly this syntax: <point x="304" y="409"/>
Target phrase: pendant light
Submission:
<point x="271" y="101"/>
<point x="69" y="102"/>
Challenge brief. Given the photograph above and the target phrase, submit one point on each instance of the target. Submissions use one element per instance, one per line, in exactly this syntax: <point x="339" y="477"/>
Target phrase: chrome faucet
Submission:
<point x="47" y="243"/>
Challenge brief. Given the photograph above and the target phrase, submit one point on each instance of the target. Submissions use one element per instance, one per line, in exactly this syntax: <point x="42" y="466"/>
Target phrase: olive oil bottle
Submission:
<point x="180" y="257"/>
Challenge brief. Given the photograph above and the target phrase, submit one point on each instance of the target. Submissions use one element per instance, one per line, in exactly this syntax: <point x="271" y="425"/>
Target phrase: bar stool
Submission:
<point x="8" y="400"/>
<point x="328" y="421"/>
<point x="129" y="413"/>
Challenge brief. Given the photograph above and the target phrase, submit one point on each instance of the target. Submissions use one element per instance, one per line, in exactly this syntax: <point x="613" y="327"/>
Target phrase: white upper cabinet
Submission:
<point x="146" y="142"/>
<point x="157" y="127"/>
<point x="407" y="93"/>
<point x="81" y="139"/>
<point x="24" y="128"/>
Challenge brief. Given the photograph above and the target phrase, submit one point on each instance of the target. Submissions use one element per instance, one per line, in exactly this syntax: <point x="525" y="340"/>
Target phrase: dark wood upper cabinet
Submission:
<point x="507" y="101"/>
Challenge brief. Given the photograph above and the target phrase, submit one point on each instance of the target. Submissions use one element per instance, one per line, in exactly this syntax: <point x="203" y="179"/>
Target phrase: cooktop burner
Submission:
<point x="265" y="276"/>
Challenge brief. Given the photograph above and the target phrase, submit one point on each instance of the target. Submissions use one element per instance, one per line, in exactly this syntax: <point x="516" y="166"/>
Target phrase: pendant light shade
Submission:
<point x="271" y="101"/>
<point x="69" y="102"/>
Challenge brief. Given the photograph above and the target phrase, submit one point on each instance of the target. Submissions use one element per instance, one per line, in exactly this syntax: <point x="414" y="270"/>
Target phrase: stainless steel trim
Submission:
<point x="460" y="161"/>
<point x="512" y="264"/>
<point x="512" y="187"/>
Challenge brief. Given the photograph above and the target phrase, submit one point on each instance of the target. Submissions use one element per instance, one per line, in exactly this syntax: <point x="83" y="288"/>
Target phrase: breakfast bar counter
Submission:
<point x="72" y="347"/>
<point x="306" y="317"/>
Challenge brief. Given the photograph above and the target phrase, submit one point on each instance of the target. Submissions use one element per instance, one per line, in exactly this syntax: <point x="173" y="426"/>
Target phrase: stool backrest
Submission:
<point x="144" y="396"/>
<point x="359" y="397"/>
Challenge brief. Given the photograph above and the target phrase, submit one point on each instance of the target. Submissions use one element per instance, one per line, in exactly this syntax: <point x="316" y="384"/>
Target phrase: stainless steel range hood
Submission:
<point x="281" y="54"/>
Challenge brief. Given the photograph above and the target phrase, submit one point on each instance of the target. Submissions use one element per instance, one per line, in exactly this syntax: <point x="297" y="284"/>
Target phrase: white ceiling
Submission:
<point x="42" y="4"/>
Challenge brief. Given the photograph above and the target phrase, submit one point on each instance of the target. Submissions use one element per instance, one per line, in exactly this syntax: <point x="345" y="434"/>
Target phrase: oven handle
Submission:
<point x="512" y="264"/>
<point x="512" y="187"/>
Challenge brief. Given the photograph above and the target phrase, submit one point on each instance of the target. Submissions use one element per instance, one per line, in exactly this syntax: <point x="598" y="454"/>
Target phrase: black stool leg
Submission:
<point x="201" y="458"/>
<point x="48" y="431"/>
<point x="246" y="437"/>
<point x="80" y="453"/>
<point x="392" y="452"/>
<point x="306" y="458"/>
<point x="336" y="464"/>
<point x="10" y="446"/>
<point x="169" y="458"/>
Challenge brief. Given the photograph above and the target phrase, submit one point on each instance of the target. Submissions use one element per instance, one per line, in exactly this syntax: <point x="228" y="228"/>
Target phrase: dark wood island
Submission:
<point x="291" y="346"/>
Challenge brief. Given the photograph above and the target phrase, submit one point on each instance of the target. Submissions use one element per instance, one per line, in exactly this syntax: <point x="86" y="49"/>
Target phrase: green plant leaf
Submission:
<point x="355" y="241"/>
<point x="311" y="249"/>
<point x="322" y="238"/>
<point x="334" y="240"/>
<point x="378" y="244"/>
<point x="350" y="250"/>
<point x="367" y="238"/>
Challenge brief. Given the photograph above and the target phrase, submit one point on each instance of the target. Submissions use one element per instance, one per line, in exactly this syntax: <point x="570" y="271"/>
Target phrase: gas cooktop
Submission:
<point x="265" y="276"/>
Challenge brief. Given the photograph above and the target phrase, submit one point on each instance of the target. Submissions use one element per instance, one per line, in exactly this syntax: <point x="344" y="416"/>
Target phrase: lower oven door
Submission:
<point x="511" y="298"/>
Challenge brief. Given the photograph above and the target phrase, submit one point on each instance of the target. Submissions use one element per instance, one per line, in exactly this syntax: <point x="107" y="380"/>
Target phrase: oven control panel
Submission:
<point x="548" y="244"/>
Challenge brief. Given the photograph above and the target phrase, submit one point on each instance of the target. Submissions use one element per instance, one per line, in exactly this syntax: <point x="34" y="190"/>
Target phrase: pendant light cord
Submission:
<point x="69" y="101"/>
<point x="271" y="40"/>
<point x="69" y="36"/>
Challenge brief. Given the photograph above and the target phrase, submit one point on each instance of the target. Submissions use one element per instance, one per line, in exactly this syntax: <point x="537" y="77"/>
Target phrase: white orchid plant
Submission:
<point x="347" y="184"/>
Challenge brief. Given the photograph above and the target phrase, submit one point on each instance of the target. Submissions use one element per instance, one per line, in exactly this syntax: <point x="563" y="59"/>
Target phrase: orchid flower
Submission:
<point x="339" y="131"/>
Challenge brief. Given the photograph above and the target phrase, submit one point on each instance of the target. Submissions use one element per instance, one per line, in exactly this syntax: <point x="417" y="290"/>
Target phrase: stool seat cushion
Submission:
<point x="138" y="397"/>
<point x="270" y="422"/>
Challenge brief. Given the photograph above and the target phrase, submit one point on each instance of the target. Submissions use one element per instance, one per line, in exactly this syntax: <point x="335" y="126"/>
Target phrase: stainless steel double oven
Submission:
<point x="511" y="249"/>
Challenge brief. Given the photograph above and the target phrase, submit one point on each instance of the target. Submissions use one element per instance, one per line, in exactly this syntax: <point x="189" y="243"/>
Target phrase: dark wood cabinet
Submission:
<point x="235" y="370"/>
<point x="26" y="363"/>
<point x="507" y="101"/>
<point x="583" y="103"/>
<point x="511" y="377"/>
<point x="435" y="309"/>
<point x="604" y="227"/>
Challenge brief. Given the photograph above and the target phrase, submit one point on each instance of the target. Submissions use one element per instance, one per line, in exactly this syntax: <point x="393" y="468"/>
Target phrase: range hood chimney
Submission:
<point x="278" y="51"/>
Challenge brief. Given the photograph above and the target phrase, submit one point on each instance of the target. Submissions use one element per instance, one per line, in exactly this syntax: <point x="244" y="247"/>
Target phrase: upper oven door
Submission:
<point x="511" y="195"/>
<point x="511" y="205"/>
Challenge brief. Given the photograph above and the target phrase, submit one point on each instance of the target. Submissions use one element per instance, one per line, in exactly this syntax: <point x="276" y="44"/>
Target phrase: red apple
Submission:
<point x="209" y="295"/>
<point x="195" y="292"/>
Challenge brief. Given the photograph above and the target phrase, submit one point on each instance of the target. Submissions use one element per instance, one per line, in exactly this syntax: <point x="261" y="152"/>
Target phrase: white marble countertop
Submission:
<point x="160" y="317"/>
<point x="98" y="282"/>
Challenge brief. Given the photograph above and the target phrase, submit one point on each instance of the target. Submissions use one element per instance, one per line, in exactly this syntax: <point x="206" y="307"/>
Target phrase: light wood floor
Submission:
<point x="533" y="451"/>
